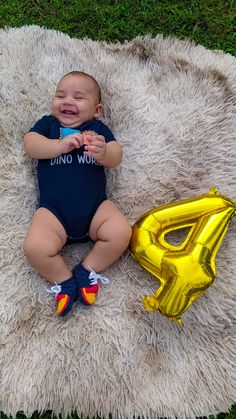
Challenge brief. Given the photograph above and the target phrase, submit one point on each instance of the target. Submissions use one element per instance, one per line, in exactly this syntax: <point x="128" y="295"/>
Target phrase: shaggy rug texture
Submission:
<point x="172" y="106"/>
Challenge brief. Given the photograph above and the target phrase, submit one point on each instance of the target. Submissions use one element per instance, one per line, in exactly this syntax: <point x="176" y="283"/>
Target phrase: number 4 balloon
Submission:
<point x="185" y="270"/>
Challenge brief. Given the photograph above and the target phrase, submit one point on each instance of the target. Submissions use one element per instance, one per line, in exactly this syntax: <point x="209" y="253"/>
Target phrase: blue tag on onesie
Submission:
<point x="68" y="131"/>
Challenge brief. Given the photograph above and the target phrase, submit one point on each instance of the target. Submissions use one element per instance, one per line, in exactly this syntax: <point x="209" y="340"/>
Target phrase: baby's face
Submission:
<point x="75" y="101"/>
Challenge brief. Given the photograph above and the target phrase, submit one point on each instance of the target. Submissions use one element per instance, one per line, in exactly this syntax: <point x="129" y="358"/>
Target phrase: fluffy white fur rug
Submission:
<point x="172" y="106"/>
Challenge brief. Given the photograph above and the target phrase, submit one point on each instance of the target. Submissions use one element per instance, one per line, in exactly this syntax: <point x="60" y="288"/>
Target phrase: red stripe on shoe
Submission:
<point x="62" y="302"/>
<point x="89" y="294"/>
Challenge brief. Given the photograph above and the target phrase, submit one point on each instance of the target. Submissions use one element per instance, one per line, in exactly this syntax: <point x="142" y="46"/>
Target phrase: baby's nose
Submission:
<point x="68" y="100"/>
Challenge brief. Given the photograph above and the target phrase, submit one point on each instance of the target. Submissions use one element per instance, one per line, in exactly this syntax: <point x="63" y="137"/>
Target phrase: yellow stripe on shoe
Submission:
<point x="62" y="303"/>
<point x="89" y="294"/>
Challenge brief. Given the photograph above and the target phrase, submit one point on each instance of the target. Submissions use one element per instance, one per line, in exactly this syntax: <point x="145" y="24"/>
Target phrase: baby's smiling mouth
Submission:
<point x="68" y="112"/>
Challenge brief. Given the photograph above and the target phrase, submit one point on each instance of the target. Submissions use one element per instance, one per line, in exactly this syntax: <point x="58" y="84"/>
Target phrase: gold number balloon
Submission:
<point x="186" y="270"/>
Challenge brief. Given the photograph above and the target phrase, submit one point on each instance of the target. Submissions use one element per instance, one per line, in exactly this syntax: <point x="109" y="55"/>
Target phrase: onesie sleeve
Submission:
<point x="42" y="126"/>
<point x="107" y="134"/>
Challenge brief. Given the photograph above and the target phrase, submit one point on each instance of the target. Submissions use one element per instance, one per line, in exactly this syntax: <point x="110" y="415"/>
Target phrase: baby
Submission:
<point x="73" y="147"/>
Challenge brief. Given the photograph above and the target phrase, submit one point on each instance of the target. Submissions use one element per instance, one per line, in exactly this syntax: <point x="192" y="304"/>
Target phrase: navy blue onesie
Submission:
<point x="71" y="186"/>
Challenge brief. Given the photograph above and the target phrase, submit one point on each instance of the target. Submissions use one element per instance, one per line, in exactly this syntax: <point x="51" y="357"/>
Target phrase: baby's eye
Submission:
<point x="60" y="96"/>
<point x="79" y="97"/>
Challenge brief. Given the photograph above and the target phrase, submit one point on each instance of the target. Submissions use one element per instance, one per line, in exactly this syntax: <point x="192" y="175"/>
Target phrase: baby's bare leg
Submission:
<point x="45" y="239"/>
<point x="111" y="232"/>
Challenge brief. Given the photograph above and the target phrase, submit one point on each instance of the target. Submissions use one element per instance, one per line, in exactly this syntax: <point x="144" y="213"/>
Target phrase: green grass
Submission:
<point x="49" y="415"/>
<point x="210" y="23"/>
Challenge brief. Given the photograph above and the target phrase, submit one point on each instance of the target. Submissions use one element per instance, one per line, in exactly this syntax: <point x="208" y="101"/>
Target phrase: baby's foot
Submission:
<point x="87" y="284"/>
<point x="66" y="295"/>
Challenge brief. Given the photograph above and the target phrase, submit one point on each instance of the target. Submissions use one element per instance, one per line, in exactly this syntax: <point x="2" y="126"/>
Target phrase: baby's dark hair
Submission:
<point x="83" y="74"/>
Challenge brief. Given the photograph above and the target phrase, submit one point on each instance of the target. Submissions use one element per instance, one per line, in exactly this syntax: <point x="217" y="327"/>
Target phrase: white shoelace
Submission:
<point x="55" y="289"/>
<point x="93" y="276"/>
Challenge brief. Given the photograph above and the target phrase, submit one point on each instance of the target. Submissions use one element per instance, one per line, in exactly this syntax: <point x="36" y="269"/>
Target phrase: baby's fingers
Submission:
<point x="79" y="139"/>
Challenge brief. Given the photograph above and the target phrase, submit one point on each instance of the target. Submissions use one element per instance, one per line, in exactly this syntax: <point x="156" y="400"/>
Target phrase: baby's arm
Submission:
<point x="113" y="155"/>
<point x="38" y="146"/>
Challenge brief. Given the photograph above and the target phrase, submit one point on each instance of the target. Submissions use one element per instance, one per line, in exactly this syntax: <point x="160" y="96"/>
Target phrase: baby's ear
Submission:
<point x="98" y="110"/>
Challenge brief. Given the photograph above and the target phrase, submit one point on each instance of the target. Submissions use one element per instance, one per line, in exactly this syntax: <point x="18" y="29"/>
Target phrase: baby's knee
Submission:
<point x="30" y="247"/>
<point x="34" y="248"/>
<point x="123" y="232"/>
<point x="128" y="232"/>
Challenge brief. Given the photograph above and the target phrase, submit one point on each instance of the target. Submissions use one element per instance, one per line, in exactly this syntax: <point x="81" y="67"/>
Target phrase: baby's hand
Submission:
<point x="86" y="135"/>
<point x="70" y="142"/>
<point x="95" y="146"/>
